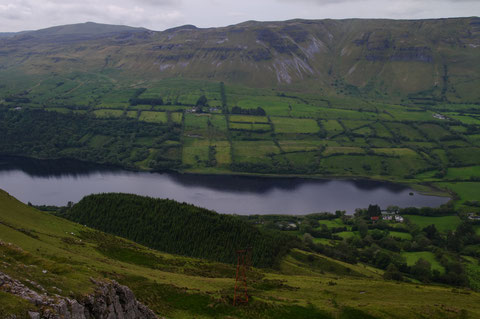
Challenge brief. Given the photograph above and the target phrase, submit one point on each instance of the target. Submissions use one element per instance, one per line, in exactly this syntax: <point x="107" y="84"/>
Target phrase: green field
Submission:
<point x="250" y="127"/>
<point x="193" y="121"/>
<point x="294" y="126"/>
<point x="300" y="145"/>
<point x="248" y="119"/>
<point x="443" y="224"/>
<point x="154" y="117"/>
<point x="176" y="117"/>
<point x="405" y="131"/>
<point x="195" y="151"/>
<point x="332" y="222"/>
<point x="132" y="114"/>
<point x="413" y="257"/>
<point x="467" y="191"/>
<point x="254" y="151"/>
<point x="332" y="127"/>
<point x="342" y="150"/>
<point x="463" y="172"/>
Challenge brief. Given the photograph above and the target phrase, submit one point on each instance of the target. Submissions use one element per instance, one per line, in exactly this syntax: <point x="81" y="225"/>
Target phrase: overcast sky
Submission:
<point x="16" y="15"/>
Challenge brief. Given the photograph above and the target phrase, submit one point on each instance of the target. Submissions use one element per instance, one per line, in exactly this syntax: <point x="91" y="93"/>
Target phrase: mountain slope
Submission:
<point x="42" y="250"/>
<point x="390" y="59"/>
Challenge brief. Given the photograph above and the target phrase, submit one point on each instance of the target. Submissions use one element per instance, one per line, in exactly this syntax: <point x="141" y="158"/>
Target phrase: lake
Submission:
<point x="56" y="182"/>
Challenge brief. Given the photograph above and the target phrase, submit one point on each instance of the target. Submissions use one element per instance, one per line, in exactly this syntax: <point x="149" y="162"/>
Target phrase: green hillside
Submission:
<point x="61" y="256"/>
<point x="383" y="99"/>
<point x="416" y="61"/>
<point x="393" y="100"/>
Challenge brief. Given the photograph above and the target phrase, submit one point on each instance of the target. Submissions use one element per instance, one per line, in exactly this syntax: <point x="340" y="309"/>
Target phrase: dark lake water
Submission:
<point x="58" y="182"/>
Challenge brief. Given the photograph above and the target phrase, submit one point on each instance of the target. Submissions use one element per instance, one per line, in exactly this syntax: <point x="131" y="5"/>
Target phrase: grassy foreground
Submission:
<point x="305" y="285"/>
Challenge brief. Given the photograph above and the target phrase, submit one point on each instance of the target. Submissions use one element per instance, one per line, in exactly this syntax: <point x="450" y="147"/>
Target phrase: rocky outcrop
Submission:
<point x="110" y="301"/>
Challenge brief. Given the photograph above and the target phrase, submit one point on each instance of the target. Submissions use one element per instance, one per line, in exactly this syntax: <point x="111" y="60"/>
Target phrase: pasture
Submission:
<point x="413" y="257"/>
<point x="443" y="224"/>
<point x="154" y="117"/>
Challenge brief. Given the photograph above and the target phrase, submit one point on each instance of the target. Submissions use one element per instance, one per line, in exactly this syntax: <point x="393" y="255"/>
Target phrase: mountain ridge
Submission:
<point x="378" y="58"/>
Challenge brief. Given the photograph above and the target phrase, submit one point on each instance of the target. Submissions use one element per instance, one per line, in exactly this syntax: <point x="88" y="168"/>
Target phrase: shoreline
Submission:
<point x="424" y="188"/>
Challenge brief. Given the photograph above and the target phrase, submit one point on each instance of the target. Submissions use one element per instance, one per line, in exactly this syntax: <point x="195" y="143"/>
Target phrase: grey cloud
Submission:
<point x="35" y="14"/>
<point x="384" y="2"/>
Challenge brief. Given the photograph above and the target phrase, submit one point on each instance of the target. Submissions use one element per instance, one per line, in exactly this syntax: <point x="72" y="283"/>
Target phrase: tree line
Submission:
<point x="41" y="134"/>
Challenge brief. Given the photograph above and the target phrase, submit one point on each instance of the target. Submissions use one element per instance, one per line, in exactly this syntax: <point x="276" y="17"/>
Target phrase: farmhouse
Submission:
<point x="474" y="217"/>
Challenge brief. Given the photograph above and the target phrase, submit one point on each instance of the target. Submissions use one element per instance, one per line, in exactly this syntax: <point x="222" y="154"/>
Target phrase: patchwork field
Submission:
<point x="278" y="133"/>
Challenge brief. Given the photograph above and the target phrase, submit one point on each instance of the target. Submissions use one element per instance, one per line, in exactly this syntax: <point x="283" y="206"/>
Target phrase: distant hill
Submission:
<point x="7" y="34"/>
<point x="436" y="59"/>
<point x="87" y="28"/>
<point x="75" y="32"/>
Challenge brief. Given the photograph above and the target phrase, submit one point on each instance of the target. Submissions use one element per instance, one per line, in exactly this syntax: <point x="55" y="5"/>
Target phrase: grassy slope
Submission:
<point x="181" y="287"/>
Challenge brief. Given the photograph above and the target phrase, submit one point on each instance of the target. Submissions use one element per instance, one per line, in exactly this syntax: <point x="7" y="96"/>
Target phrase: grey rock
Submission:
<point x="110" y="301"/>
<point x="34" y="315"/>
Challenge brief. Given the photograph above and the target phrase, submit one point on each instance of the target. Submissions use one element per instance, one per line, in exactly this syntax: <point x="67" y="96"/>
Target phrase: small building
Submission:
<point x="292" y="226"/>
<point x="388" y="217"/>
<point x="439" y="116"/>
<point x="390" y="211"/>
<point x="375" y="218"/>
<point x="474" y="217"/>
<point x="399" y="218"/>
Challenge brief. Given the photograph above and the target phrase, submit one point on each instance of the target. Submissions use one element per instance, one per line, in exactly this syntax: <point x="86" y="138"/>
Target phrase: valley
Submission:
<point x="416" y="145"/>
<point x="345" y="153"/>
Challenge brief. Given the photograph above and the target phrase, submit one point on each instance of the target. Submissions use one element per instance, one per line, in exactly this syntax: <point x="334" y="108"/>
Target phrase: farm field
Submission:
<point x="467" y="191"/>
<point x="441" y="223"/>
<point x="155" y="117"/>
<point x="298" y="133"/>
<point x="413" y="257"/>
<point x="294" y="126"/>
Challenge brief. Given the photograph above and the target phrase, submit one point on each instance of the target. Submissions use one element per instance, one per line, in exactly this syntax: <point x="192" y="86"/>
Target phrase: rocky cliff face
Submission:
<point x="361" y="52"/>
<point x="110" y="301"/>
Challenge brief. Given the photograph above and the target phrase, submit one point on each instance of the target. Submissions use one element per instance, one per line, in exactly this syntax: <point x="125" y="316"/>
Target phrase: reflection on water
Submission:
<point x="51" y="168"/>
<point x="56" y="182"/>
